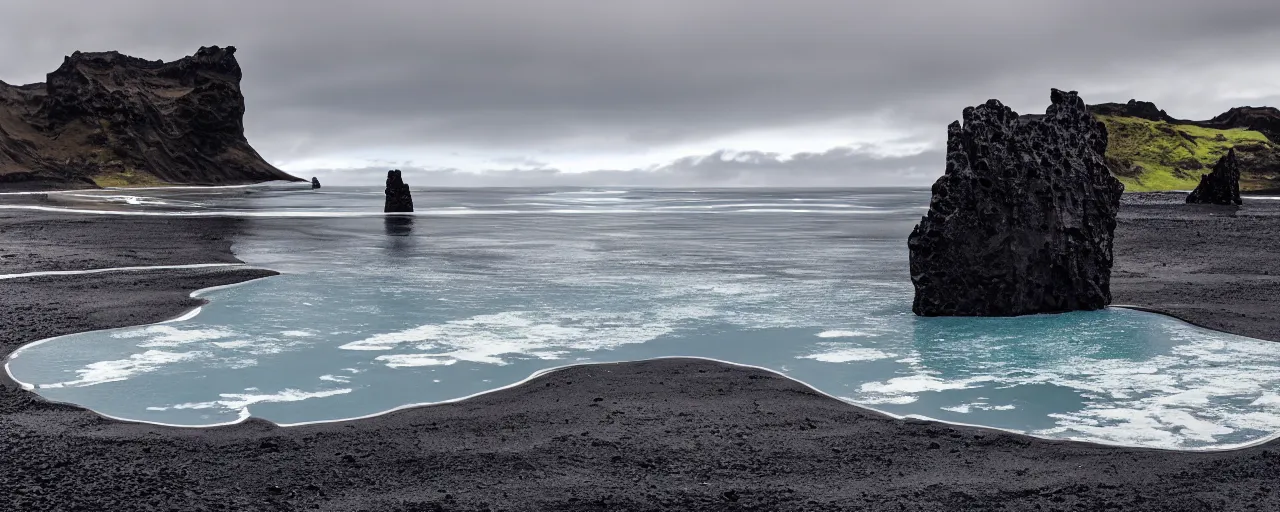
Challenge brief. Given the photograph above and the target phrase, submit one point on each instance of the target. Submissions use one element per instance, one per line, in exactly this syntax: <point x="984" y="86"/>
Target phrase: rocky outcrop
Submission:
<point x="315" y="183"/>
<point x="107" y="118"/>
<point x="1134" y="108"/>
<point x="1222" y="185"/>
<point x="398" y="198"/>
<point x="1265" y="120"/>
<point x="1023" y="218"/>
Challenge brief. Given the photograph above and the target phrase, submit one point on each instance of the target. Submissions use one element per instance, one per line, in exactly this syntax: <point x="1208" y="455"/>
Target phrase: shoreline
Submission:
<point x="659" y="434"/>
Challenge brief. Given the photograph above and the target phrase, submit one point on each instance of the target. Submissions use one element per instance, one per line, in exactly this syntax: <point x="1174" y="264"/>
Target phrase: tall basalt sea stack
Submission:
<point x="315" y="183"/>
<point x="398" y="198"/>
<point x="1222" y="186"/>
<point x="1022" y="221"/>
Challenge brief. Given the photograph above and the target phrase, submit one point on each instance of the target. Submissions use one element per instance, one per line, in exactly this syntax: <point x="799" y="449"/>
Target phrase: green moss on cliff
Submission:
<point x="128" y="178"/>
<point x="1155" y="155"/>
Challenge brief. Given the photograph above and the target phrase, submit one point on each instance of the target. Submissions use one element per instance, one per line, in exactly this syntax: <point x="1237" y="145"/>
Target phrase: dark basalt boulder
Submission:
<point x="1022" y="221"/>
<point x="315" y="183"/>
<point x="398" y="198"/>
<point x="125" y="120"/>
<point x="1222" y="185"/>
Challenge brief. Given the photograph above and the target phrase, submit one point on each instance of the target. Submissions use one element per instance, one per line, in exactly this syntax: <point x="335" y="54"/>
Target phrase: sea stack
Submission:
<point x="398" y="198"/>
<point x="315" y="183"/>
<point x="1023" y="218"/>
<point x="1222" y="185"/>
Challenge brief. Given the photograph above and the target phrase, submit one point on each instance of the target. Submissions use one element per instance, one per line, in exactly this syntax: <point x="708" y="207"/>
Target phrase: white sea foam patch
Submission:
<point x="170" y="336"/>
<point x="843" y="334"/>
<point x="494" y="338"/>
<point x="849" y="354"/>
<point x="1184" y="401"/>
<point x="980" y="406"/>
<point x="133" y="200"/>
<point x="239" y="401"/>
<point x="233" y="344"/>
<point x="121" y="369"/>
<point x="335" y="378"/>
<point x="907" y="389"/>
<point x="412" y="360"/>
<point x="1207" y="391"/>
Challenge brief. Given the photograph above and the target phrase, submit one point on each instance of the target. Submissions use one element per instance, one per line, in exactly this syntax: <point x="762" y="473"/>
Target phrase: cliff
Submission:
<point x="106" y="119"/>
<point x="1150" y="150"/>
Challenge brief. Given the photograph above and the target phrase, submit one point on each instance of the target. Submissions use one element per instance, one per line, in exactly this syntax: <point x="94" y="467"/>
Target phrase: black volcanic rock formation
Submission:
<point x="125" y="120"/>
<point x="398" y="197"/>
<point x="1022" y="220"/>
<point x="315" y="183"/>
<point x="1222" y="186"/>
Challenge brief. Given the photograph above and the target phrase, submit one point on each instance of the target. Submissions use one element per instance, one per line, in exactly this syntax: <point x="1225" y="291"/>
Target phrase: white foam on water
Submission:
<point x="233" y="344"/>
<point x="241" y="401"/>
<point x="335" y="378"/>
<point x="1190" y="398"/>
<point x="905" y="390"/>
<point x="843" y="334"/>
<point x="121" y="369"/>
<point x="1270" y="400"/>
<point x="134" y="200"/>
<point x="168" y="336"/>
<point x="415" y="360"/>
<point x="845" y="355"/>
<point x="494" y="338"/>
<point x="980" y="406"/>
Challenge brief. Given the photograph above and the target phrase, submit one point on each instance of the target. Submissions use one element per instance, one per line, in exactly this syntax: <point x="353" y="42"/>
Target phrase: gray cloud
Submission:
<point x="837" y="167"/>
<point x="561" y="76"/>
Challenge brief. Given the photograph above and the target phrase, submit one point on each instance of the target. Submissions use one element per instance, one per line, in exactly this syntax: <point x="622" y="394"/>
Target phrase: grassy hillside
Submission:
<point x="1155" y="155"/>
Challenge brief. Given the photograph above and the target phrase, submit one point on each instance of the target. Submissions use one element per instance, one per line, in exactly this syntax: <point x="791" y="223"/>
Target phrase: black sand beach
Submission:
<point x="674" y="434"/>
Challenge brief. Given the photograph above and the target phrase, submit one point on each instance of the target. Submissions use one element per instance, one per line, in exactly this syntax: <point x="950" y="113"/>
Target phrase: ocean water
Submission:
<point x="482" y="288"/>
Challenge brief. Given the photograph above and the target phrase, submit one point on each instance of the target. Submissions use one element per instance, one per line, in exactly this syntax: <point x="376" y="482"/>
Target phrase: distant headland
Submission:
<point x="107" y="119"/>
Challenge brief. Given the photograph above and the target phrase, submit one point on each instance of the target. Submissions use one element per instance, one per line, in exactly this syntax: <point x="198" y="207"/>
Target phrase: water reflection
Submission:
<point x="397" y="225"/>
<point x="400" y="239"/>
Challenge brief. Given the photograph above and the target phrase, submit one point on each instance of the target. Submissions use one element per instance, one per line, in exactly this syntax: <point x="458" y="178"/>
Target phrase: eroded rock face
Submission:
<point x="1222" y="185"/>
<point x="315" y="183"/>
<point x="398" y="197"/>
<point x="128" y="121"/>
<point x="1022" y="221"/>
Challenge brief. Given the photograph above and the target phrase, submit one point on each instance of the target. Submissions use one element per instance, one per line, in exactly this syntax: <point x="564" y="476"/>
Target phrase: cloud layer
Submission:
<point x="630" y="84"/>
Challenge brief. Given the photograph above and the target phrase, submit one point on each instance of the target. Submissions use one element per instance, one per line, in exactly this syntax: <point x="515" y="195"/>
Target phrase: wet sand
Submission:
<point x="673" y="434"/>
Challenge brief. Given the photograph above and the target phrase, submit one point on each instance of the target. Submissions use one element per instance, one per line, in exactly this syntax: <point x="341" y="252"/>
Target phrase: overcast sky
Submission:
<point x="663" y="92"/>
